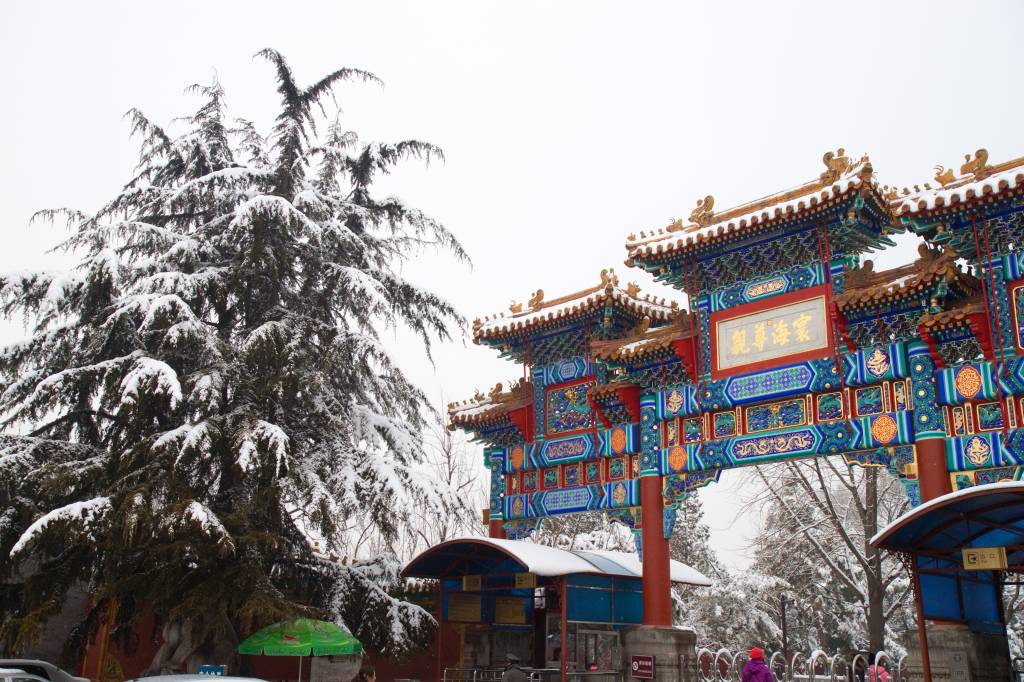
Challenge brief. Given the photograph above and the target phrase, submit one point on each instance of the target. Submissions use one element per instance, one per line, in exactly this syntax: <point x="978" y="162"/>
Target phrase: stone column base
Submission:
<point x="958" y="654"/>
<point x="674" y="651"/>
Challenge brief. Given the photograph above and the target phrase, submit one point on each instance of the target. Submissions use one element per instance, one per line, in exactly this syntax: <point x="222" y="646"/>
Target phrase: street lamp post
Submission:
<point x="785" y="641"/>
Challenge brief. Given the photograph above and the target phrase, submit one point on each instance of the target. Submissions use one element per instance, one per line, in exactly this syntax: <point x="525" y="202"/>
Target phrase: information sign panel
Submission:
<point x="526" y="580"/>
<point x="464" y="608"/>
<point x="642" y="667"/>
<point x="510" y="610"/>
<point x="984" y="558"/>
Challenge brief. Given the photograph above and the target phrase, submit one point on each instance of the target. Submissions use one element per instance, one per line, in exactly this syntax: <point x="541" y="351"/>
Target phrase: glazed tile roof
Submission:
<point x="978" y="179"/>
<point x="644" y="342"/>
<point x="841" y="178"/>
<point x="610" y="390"/>
<point x="538" y="312"/>
<point x="864" y="287"/>
<point x="488" y="409"/>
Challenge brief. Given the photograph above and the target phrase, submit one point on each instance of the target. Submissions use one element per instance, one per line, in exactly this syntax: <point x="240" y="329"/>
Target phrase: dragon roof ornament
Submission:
<point x="540" y="311"/>
<point x="977" y="179"/>
<point x="841" y="176"/>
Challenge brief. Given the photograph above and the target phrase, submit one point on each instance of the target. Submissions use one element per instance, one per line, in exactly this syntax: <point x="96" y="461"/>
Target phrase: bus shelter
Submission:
<point x="961" y="549"/>
<point x="556" y="610"/>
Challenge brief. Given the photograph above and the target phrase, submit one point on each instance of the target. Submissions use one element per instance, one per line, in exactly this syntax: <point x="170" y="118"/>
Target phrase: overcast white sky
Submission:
<point x="566" y="125"/>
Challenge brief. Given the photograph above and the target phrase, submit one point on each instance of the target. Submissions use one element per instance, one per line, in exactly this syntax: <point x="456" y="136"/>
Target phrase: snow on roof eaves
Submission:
<point x="942" y="501"/>
<point x="496" y="325"/>
<point x="669" y="241"/>
<point x="552" y="561"/>
<point x="471" y="409"/>
<point x="939" y="197"/>
<point x="678" y="571"/>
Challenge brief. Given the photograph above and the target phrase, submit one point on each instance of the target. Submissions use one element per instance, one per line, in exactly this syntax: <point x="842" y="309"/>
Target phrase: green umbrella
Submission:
<point x="302" y="637"/>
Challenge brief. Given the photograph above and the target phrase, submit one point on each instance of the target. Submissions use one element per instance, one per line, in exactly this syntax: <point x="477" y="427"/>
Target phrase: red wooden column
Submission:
<point x="932" y="472"/>
<point x="929" y="425"/>
<point x="657" y="583"/>
<point x="495" y="529"/>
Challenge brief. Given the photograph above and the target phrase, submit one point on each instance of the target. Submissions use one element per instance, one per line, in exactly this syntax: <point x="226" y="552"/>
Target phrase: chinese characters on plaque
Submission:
<point x="791" y="329"/>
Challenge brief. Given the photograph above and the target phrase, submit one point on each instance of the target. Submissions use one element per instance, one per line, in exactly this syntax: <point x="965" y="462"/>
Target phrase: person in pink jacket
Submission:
<point x="876" y="672"/>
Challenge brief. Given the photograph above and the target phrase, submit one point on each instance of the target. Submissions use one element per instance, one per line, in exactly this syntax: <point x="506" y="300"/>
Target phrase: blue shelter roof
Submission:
<point x="982" y="516"/>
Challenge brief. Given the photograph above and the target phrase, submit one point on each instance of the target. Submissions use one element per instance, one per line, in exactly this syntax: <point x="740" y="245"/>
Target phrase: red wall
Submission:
<point x="132" y="662"/>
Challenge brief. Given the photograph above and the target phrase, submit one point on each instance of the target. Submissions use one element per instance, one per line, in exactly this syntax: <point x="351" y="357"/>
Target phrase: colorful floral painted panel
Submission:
<point x="1018" y="315"/>
<point x="776" y="415"/>
<point x="989" y="417"/>
<point x="869" y="401"/>
<point x="568" y="409"/>
<point x="959" y="426"/>
<point x="593" y="472"/>
<point x="529" y="481"/>
<point x="617" y="468"/>
<point x="899" y="391"/>
<point x="692" y="430"/>
<point x="725" y="424"/>
<point x="551" y="477"/>
<point x="830" y="407"/>
<point x="671" y="433"/>
<point x="572" y="474"/>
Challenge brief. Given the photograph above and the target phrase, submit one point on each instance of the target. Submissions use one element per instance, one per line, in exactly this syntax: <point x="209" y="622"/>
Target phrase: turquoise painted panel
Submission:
<point x="984" y="451"/>
<point x="972" y="381"/>
<point x="628" y="440"/>
<point x="875" y="364"/>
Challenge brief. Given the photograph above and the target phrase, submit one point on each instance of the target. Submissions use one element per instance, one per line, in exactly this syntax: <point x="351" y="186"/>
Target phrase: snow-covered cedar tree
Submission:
<point x="203" y="405"/>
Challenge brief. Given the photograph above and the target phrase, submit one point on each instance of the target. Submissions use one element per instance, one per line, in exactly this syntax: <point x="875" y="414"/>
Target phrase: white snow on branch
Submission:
<point x="267" y="437"/>
<point x="147" y="370"/>
<point x="85" y="512"/>
<point x="208" y="522"/>
<point x="278" y="207"/>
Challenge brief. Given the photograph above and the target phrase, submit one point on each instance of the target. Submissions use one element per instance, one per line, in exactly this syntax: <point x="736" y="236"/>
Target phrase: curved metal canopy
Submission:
<point x="474" y="556"/>
<point x="989" y="515"/>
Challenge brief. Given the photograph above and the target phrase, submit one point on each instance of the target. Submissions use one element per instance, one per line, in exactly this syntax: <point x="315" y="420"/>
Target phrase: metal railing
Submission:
<point x="472" y="674"/>
<point x="725" y="666"/>
<point x="534" y="674"/>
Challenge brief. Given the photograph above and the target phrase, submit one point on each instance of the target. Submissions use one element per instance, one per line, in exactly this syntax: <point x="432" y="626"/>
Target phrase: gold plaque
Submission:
<point x="471" y="583"/>
<point x="984" y="558"/>
<point x="526" y="580"/>
<point x="510" y="610"/>
<point x="464" y="608"/>
<point x="758" y="336"/>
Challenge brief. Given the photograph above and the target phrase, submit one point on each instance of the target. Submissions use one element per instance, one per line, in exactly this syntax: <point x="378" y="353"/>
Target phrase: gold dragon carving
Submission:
<point x="703" y="215"/>
<point x="774" y="444"/>
<point x="836" y="164"/>
<point x="978" y="166"/>
<point x="944" y="176"/>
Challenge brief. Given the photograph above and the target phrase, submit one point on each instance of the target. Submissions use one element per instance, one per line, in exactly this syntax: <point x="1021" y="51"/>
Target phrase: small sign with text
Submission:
<point x="642" y="667"/>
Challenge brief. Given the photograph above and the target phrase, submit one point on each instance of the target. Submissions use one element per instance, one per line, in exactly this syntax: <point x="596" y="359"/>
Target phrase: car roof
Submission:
<point x="11" y="672"/>
<point x="190" y="677"/>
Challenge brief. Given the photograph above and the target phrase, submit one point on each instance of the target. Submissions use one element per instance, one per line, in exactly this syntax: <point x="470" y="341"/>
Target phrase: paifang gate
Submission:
<point x="795" y="347"/>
